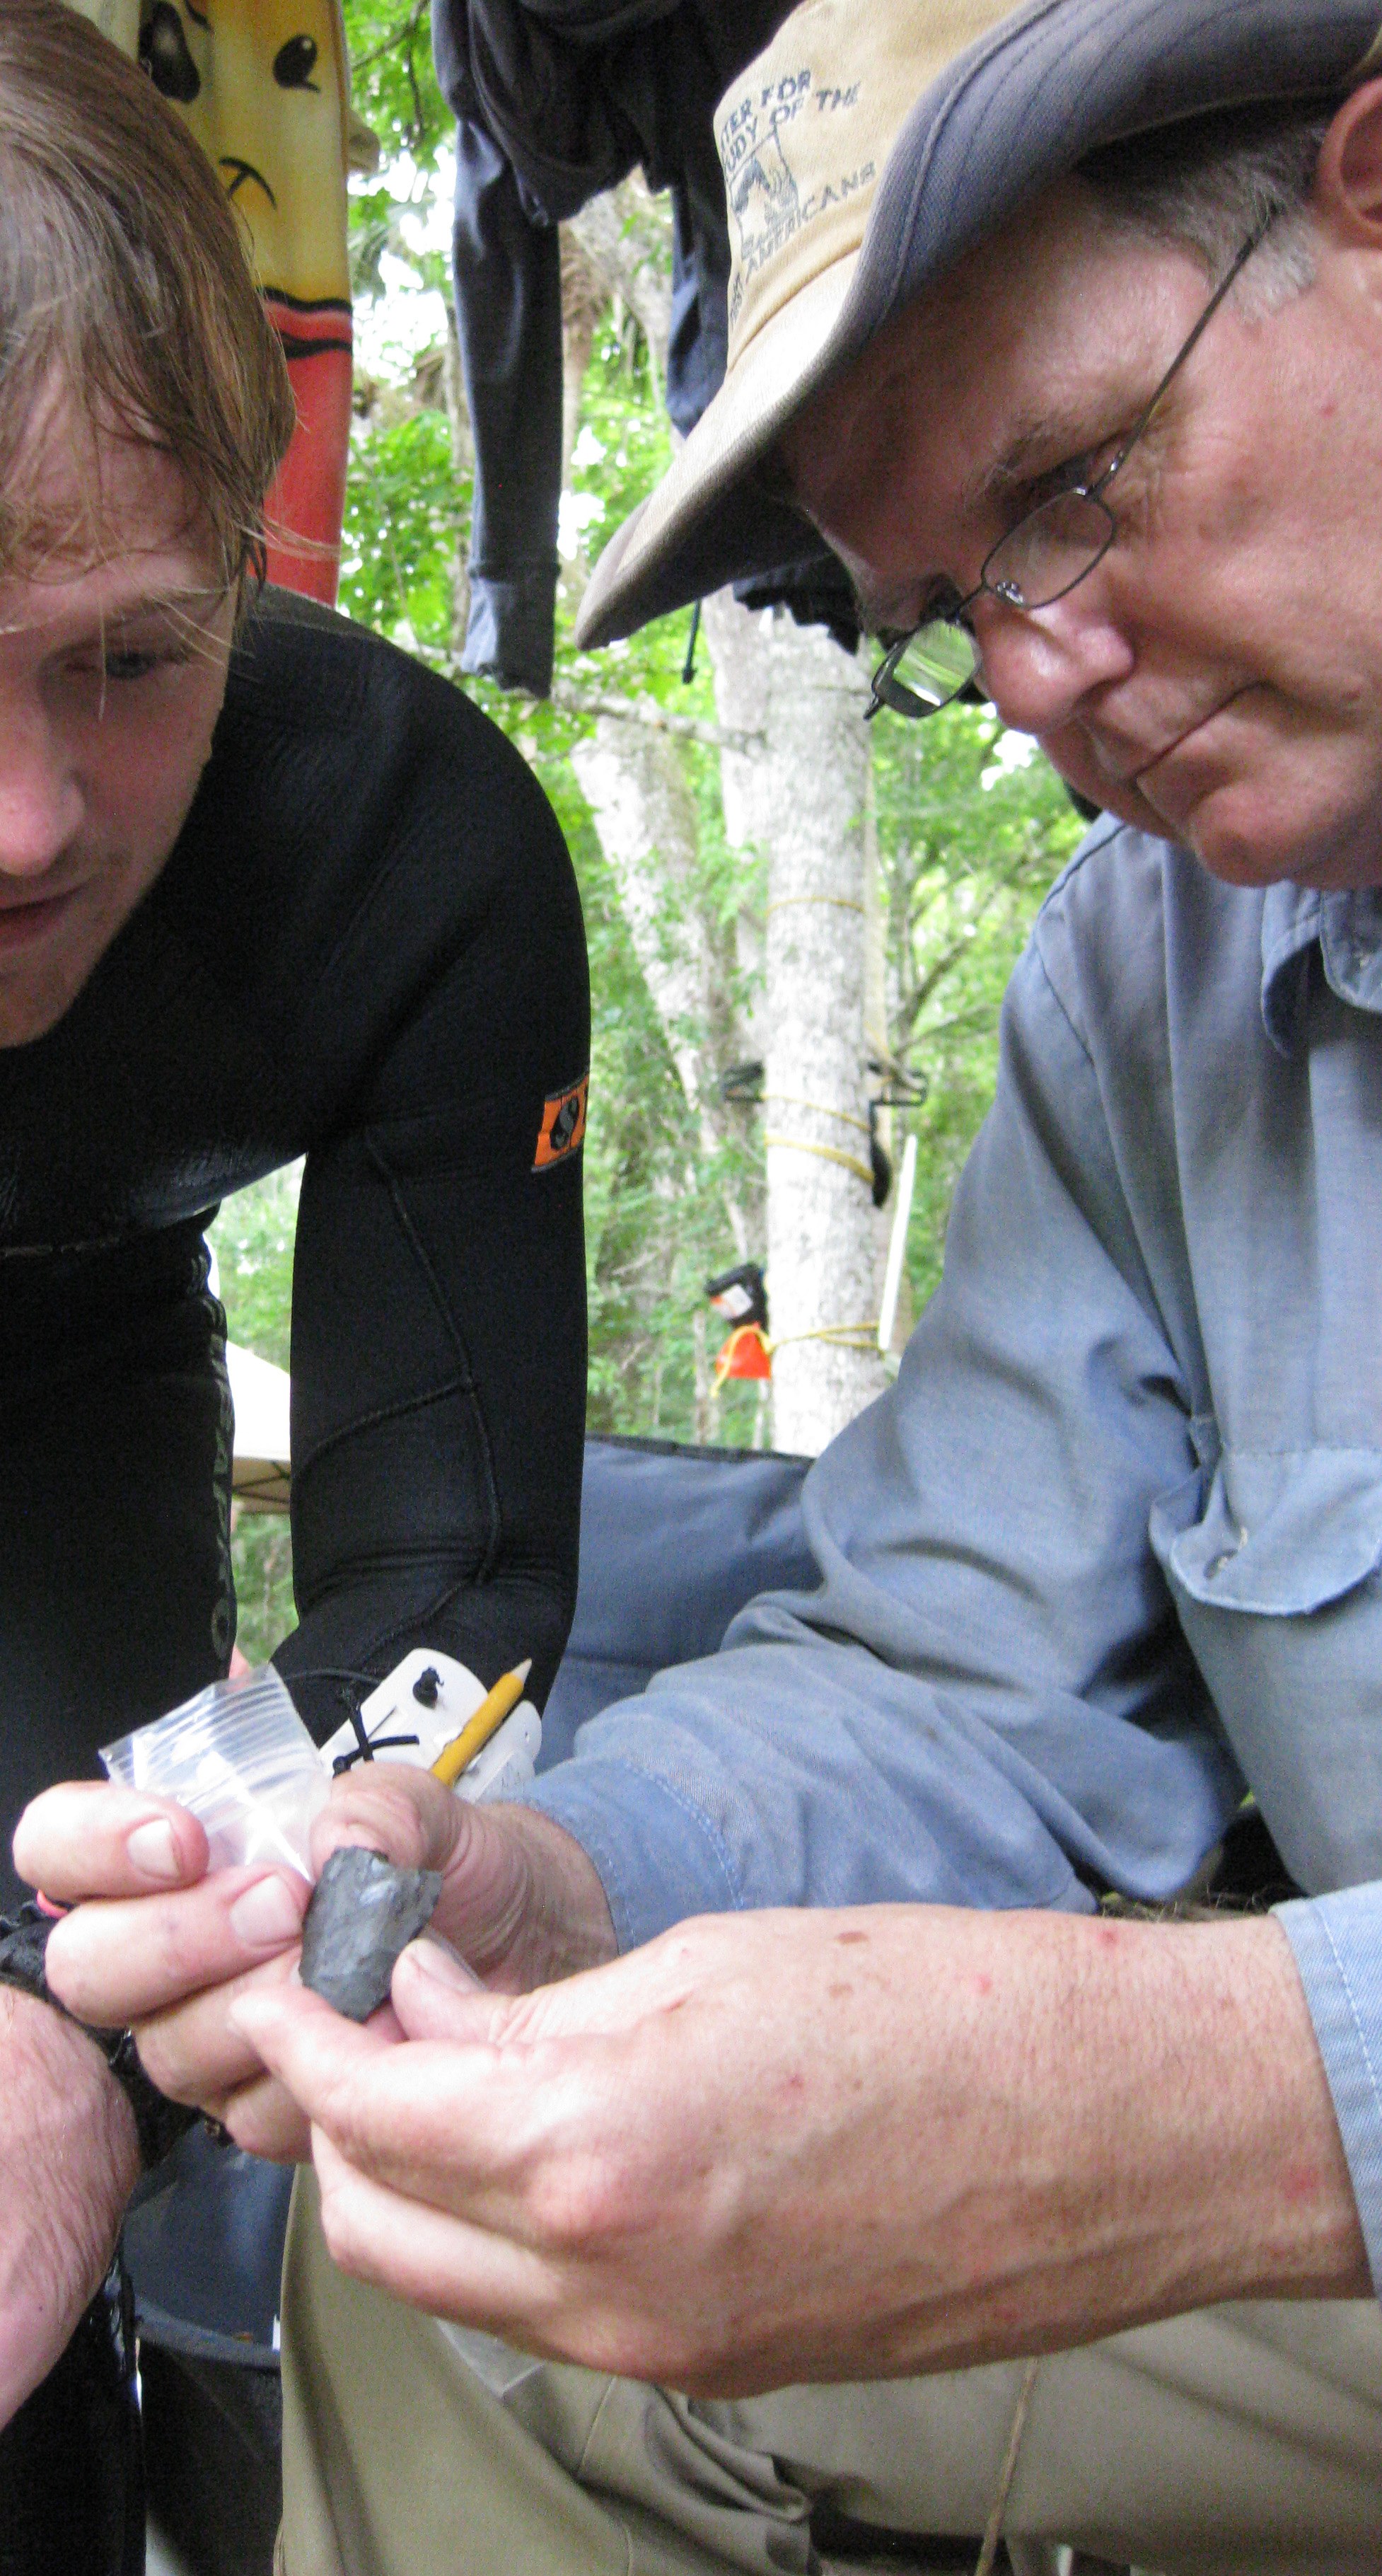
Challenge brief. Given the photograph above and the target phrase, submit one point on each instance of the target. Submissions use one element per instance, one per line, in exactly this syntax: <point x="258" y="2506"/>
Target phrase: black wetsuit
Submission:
<point x="366" y="947"/>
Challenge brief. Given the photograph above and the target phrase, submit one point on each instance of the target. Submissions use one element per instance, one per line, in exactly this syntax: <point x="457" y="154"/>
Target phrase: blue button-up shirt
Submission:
<point x="1109" y="1553"/>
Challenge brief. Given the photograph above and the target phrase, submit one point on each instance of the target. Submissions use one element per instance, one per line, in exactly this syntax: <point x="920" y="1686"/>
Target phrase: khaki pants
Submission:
<point x="1239" y="2441"/>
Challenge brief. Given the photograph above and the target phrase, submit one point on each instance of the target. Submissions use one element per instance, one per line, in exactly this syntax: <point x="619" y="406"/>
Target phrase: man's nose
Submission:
<point x="1041" y="664"/>
<point x="41" y="801"/>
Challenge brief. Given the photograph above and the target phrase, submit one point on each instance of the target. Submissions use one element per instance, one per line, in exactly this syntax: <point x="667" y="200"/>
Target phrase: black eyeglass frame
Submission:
<point x="888" y="691"/>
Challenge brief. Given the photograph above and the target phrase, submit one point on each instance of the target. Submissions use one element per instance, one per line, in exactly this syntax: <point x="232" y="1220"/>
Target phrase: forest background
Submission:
<point x="967" y="825"/>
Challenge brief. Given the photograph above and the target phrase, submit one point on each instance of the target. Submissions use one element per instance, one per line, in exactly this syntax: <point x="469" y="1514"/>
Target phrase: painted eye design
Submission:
<point x="164" y="55"/>
<point x="295" y="62"/>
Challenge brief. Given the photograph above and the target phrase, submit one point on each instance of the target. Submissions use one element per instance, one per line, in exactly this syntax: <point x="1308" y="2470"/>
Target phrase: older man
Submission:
<point x="1091" y="408"/>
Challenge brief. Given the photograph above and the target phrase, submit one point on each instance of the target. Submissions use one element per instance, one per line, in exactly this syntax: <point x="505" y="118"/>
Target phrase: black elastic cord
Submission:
<point x="688" y="668"/>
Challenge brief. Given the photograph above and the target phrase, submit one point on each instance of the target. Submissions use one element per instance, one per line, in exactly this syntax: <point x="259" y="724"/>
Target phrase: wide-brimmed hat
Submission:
<point x="870" y="145"/>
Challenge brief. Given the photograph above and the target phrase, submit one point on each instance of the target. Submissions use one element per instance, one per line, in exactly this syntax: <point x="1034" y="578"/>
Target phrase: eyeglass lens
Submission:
<point x="932" y="666"/>
<point x="1044" y="556"/>
<point x="1036" y="563"/>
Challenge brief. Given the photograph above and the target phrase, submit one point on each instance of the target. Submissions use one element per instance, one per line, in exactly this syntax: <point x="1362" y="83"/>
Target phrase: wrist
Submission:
<point x="1164" y="2137"/>
<point x="1275" y="2159"/>
<point x="572" y="1927"/>
<point x="62" y="2101"/>
<point x="1083" y="2126"/>
<point x="158" y="2122"/>
<point x="546" y="1915"/>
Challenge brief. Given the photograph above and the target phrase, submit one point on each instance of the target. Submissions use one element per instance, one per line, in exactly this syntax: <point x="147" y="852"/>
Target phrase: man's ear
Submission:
<point x="1347" y="193"/>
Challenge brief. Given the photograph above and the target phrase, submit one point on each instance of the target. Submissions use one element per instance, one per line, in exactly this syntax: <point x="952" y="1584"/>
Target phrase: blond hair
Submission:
<point x="125" y="293"/>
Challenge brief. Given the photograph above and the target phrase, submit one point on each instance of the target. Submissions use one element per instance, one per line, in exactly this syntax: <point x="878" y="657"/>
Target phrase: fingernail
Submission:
<point x="266" y="1915"/>
<point x="153" y="1849"/>
<point x="437" y="1959"/>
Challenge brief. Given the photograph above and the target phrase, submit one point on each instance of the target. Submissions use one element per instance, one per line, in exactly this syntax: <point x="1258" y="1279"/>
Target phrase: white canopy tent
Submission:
<point x="262" y="1469"/>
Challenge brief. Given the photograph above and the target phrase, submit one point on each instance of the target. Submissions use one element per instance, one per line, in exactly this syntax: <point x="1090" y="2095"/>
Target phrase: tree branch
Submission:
<point x="646" y="711"/>
<point x="407" y="27"/>
<point x="625" y="235"/>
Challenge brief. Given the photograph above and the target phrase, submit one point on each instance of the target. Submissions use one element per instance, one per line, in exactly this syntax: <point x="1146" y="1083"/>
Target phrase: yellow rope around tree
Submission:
<point x="793" y="1100"/>
<point x="827" y="1153"/>
<point x="846" y="1335"/>
<point x="841" y="902"/>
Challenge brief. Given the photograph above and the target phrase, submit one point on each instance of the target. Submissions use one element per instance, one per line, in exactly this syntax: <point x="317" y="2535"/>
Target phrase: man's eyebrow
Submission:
<point x="880" y="609"/>
<point x="176" y="600"/>
<point x="1038" y="441"/>
<point x="175" y="607"/>
<point x="160" y="603"/>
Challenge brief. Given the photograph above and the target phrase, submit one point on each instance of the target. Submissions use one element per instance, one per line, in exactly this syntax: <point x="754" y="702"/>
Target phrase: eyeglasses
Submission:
<point x="1050" y="550"/>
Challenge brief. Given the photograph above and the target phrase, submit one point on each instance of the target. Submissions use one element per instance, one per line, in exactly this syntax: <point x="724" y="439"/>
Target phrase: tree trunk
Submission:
<point x="632" y="779"/>
<point x="626" y="236"/>
<point x="800" y="797"/>
<point x="802" y="800"/>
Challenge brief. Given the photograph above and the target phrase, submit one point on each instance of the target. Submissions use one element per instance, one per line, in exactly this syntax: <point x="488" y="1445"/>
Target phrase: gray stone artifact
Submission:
<point x="363" y="1913"/>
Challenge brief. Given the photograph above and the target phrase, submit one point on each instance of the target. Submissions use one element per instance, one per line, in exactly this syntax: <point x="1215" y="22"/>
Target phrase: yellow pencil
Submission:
<point x="457" y="1756"/>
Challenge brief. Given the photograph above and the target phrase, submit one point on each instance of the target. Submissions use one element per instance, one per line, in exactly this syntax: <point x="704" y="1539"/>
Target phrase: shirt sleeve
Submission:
<point x="1337" y="1941"/>
<point x="439" y="1342"/>
<point x="988" y="1699"/>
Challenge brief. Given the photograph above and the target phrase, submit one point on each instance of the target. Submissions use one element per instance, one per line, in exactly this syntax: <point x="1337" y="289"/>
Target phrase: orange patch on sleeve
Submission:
<point x="563" y="1125"/>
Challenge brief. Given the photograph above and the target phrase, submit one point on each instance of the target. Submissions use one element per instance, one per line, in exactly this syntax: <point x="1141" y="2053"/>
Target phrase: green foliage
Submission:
<point x="261" y="1548"/>
<point x="252" y="1239"/>
<point x="393" y="85"/>
<point x="969" y="838"/>
<point x="969" y="842"/>
<point x="623" y="451"/>
<point x="405" y="517"/>
<point x="654" y="1198"/>
<point x="655" y="1222"/>
<point x="655" y="1214"/>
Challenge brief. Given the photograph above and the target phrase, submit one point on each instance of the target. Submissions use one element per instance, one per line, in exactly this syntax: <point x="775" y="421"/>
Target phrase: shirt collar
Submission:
<point x="1348" y="930"/>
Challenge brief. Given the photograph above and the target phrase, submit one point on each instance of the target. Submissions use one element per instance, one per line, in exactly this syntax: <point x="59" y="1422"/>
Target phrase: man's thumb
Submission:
<point x="436" y="1996"/>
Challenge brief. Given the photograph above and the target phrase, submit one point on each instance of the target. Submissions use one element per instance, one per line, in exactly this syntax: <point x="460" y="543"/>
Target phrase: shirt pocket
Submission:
<point x="1274" y="1531"/>
<point x="1273" y="1558"/>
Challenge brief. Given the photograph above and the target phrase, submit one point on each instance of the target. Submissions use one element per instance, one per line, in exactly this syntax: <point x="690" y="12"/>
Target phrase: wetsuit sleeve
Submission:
<point x="439" y="1347"/>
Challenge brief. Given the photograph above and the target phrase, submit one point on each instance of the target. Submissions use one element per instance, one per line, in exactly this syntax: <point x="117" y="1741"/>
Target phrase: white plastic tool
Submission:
<point x="421" y="1708"/>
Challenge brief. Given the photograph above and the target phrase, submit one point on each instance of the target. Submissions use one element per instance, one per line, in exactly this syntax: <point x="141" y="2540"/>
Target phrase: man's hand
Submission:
<point x="157" y="1944"/>
<point x="69" y="2160"/>
<point x="778" y="2147"/>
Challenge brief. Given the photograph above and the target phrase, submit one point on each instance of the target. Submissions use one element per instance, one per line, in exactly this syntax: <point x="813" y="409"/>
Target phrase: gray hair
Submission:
<point x="1208" y="181"/>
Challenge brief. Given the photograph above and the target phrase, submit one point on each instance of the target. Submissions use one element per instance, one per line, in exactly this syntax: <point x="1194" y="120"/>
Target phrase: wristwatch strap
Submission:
<point x="158" y="2122"/>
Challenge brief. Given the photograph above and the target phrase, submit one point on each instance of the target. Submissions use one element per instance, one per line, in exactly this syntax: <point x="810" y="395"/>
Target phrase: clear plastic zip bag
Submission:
<point x="239" y="1757"/>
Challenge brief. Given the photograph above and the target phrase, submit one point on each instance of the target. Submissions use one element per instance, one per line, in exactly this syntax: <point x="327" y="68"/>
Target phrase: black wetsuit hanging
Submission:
<point x="555" y="101"/>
